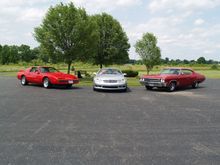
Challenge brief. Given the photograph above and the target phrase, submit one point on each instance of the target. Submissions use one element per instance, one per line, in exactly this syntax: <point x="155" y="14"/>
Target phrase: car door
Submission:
<point x="30" y="75"/>
<point x="36" y="76"/>
<point x="181" y="78"/>
<point x="187" y="77"/>
<point x="39" y="75"/>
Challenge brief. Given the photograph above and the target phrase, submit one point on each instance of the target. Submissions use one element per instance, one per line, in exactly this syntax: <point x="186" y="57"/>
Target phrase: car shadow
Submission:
<point x="113" y="91"/>
<point x="179" y="89"/>
<point x="57" y="87"/>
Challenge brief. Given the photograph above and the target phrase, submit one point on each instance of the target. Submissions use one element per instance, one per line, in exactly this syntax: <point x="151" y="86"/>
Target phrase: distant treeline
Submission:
<point x="167" y="61"/>
<point x="15" y="54"/>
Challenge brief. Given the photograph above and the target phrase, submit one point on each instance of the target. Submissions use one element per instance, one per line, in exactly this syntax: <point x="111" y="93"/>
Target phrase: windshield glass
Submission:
<point x="48" y="69"/>
<point x="170" y="71"/>
<point x="109" y="71"/>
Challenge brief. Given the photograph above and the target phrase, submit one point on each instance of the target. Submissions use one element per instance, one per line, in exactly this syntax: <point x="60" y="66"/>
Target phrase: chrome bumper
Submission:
<point x="153" y="84"/>
<point x="110" y="86"/>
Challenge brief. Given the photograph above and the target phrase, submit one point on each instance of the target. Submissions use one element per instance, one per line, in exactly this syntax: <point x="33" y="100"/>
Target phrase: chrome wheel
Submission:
<point x="172" y="86"/>
<point x="23" y="80"/>
<point x="46" y="83"/>
<point x="195" y="85"/>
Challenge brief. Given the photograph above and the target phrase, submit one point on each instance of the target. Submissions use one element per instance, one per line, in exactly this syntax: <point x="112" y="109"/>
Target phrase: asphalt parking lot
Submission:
<point x="79" y="126"/>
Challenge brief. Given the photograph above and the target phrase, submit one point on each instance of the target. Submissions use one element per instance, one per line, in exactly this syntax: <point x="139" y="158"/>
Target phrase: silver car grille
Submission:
<point x="110" y="81"/>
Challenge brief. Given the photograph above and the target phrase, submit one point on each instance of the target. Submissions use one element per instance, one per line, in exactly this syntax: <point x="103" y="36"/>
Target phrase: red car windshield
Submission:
<point x="48" y="69"/>
<point x="170" y="71"/>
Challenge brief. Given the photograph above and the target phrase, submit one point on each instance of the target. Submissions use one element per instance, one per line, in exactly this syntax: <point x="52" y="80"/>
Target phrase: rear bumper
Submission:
<point x="154" y="84"/>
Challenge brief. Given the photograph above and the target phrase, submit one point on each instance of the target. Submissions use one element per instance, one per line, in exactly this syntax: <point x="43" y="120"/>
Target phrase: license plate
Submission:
<point x="70" y="82"/>
<point x="151" y="85"/>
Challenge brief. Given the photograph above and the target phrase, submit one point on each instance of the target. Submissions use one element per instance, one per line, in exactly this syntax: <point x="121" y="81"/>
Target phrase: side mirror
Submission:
<point x="94" y="73"/>
<point x="37" y="72"/>
<point x="125" y="74"/>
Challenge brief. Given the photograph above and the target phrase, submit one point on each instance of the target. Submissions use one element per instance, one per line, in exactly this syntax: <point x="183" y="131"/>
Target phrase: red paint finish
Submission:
<point x="36" y="75"/>
<point x="181" y="77"/>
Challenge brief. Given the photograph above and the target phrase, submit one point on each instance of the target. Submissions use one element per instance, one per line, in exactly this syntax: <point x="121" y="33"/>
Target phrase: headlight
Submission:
<point x="122" y="80"/>
<point x="162" y="80"/>
<point x="97" y="79"/>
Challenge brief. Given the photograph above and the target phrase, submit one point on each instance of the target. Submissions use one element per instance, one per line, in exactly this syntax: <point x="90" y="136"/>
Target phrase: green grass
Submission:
<point x="11" y="70"/>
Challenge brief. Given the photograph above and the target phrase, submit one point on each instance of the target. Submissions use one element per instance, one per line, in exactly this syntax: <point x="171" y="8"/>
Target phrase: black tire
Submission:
<point x="172" y="87"/>
<point x="195" y="84"/>
<point x="23" y="80"/>
<point x="94" y="89"/>
<point x="148" y="87"/>
<point x="46" y="83"/>
<point x="68" y="86"/>
<point x="124" y="90"/>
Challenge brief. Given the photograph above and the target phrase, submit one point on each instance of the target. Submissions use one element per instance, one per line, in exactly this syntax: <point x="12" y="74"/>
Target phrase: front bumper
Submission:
<point x="110" y="86"/>
<point x="66" y="82"/>
<point x="153" y="84"/>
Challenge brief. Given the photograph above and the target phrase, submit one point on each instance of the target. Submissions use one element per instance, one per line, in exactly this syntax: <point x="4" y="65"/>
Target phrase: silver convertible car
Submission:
<point x="110" y="79"/>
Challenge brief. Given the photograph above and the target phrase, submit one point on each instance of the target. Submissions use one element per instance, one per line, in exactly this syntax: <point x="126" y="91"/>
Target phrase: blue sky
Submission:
<point x="186" y="29"/>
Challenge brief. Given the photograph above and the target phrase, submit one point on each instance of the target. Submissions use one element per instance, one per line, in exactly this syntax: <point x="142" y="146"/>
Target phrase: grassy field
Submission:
<point x="11" y="70"/>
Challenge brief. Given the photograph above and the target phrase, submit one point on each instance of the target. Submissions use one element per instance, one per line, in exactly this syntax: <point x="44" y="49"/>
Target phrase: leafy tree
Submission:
<point x="0" y="54"/>
<point x="41" y="54"/>
<point x="201" y="60"/>
<point x="5" y="55"/>
<point x="186" y="61"/>
<point x="13" y="54"/>
<point x="25" y="53"/>
<point x="148" y="51"/>
<point x="178" y="61"/>
<point x="66" y="34"/>
<point x="112" y="46"/>
<point x="167" y="60"/>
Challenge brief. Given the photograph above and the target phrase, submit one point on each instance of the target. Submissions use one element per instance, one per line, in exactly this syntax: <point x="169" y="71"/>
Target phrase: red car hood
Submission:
<point x="61" y="75"/>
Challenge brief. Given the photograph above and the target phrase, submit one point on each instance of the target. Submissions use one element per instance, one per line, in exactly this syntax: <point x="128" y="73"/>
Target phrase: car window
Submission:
<point x="33" y="69"/>
<point x="48" y="69"/>
<point x="170" y="71"/>
<point x="187" y="71"/>
<point x="109" y="71"/>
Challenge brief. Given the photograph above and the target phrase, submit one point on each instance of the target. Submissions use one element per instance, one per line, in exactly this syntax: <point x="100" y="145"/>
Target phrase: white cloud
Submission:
<point x="31" y="14"/>
<point x="199" y="21"/>
<point x="177" y="40"/>
<point x="158" y="5"/>
<point x="105" y="5"/>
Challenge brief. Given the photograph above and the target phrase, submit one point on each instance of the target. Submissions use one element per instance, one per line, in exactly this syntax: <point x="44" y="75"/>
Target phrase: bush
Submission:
<point x="214" y="67"/>
<point x="130" y="73"/>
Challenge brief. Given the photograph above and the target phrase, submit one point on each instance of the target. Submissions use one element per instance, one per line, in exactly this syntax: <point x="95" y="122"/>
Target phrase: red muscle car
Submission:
<point x="171" y="78"/>
<point x="47" y="76"/>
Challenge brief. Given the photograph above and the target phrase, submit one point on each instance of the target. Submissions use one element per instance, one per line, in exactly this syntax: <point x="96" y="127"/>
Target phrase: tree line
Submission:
<point x="15" y="54"/>
<point x="168" y="61"/>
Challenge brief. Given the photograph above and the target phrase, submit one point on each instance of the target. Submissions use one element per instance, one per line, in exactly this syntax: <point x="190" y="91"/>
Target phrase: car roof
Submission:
<point x="110" y="68"/>
<point x="41" y="66"/>
<point x="177" y="68"/>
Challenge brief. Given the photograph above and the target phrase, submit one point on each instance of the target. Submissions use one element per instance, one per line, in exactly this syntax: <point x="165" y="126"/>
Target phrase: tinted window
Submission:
<point x="109" y="71"/>
<point x="170" y="71"/>
<point x="33" y="69"/>
<point x="48" y="69"/>
<point x="186" y="71"/>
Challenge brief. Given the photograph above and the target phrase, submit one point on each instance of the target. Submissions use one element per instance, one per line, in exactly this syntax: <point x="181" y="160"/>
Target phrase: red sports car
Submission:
<point x="47" y="76"/>
<point x="171" y="78"/>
